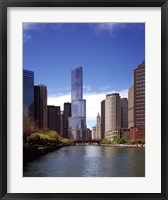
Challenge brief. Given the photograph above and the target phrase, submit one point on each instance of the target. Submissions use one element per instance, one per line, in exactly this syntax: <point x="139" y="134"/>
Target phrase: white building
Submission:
<point x="96" y="130"/>
<point x="112" y="116"/>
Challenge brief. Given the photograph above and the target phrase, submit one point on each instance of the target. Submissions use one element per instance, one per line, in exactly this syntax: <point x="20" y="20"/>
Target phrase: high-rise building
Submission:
<point x="88" y="134"/>
<point x="138" y="132"/>
<point x="93" y="132"/>
<point x="96" y="134"/>
<point x="124" y="112"/>
<point x="54" y="118"/>
<point x="40" y="106"/>
<point x="62" y="124"/>
<point x="77" y="121"/>
<point x="28" y="93"/>
<point x="131" y="107"/>
<point x="67" y="114"/>
<point x="112" y="116"/>
<point x="103" y="119"/>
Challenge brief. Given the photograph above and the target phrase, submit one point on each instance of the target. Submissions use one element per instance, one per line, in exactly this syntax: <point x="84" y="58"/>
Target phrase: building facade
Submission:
<point x="54" y="118"/>
<point x="103" y="119"/>
<point x="96" y="130"/>
<point x="28" y="93"/>
<point x="131" y="107"/>
<point x="124" y="112"/>
<point x="138" y="132"/>
<point x="40" y="106"/>
<point x="77" y="121"/>
<point x="112" y="116"/>
<point x="67" y="114"/>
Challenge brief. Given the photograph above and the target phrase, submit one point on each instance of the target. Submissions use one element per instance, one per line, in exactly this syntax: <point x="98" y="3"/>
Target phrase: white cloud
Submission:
<point x="108" y="27"/>
<point x="113" y="27"/>
<point x="93" y="103"/>
<point x="29" y="27"/>
<point x="87" y="88"/>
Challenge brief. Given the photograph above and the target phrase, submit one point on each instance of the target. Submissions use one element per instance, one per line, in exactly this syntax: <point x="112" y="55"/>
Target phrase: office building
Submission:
<point x="67" y="114"/>
<point x="62" y="124"/>
<point x="124" y="112"/>
<point x="112" y="116"/>
<point x="138" y="132"/>
<point x="77" y="121"/>
<point x="96" y="134"/>
<point x="28" y="93"/>
<point x="103" y="119"/>
<point x="131" y="107"/>
<point x="40" y="106"/>
<point x="54" y="118"/>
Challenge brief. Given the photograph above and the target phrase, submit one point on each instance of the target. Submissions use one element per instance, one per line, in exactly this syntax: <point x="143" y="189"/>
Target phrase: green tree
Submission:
<point x="105" y="141"/>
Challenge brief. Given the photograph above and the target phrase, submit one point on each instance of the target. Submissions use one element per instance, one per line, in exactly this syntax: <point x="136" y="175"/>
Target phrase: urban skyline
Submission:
<point x="52" y="50"/>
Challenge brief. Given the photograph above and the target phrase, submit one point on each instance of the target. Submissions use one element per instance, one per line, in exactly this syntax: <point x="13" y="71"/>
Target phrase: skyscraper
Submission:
<point x="40" y="106"/>
<point x="54" y="118"/>
<point x="77" y="121"/>
<point x="96" y="130"/>
<point x="67" y="114"/>
<point x="138" y="132"/>
<point x="112" y="116"/>
<point x="28" y="93"/>
<point x="124" y="112"/>
<point x="131" y="107"/>
<point x="103" y="119"/>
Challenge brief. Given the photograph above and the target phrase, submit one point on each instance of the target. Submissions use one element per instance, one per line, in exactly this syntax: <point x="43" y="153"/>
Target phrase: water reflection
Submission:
<point x="89" y="161"/>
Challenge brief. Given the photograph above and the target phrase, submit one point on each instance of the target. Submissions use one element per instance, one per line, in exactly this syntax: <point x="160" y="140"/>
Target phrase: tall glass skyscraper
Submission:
<point x="77" y="121"/>
<point x="28" y="93"/>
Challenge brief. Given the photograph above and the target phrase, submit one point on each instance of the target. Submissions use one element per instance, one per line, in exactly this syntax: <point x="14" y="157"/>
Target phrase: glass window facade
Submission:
<point x="77" y="121"/>
<point x="28" y="93"/>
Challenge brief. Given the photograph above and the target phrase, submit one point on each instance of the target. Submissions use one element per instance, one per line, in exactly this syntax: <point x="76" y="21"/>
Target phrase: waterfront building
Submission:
<point x="112" y="116"/>
<point x="103" y="119"/>
<point x="62" y="124"/>
<point x="88" y="134"/>
<point x="40" y="106"/>
<point x="54" y="118"/>
<point x="93" y="132"/>
<point x="131" y="107"/>
<point x="28" y="93"/>
<point x="138" y="132"/>
<point x="124" y="112"/>
<point x="67" y="114"/>
<point x="77" y="121"/>
<point x="124" y="131"/>
<point x="96" y="135"/>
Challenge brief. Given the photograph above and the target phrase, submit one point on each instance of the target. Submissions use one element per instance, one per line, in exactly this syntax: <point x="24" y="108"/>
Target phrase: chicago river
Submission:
<point x="88" y="161"/>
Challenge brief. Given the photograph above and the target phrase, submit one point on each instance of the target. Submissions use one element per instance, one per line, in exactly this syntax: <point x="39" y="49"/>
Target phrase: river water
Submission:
<point x="89" y="161"/>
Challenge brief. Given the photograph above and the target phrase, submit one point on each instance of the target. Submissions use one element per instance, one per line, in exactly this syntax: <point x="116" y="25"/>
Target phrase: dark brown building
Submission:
<point x="103" y="119"/>
<point x="54" y="118"/>
<point x="67" y="113"/>
<point x="138" y="132"/>
<point x="40" y="106"/>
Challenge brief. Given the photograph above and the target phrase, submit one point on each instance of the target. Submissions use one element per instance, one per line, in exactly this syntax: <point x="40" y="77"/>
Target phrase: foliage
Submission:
<point x="105" y="141"/>
<point x="49" y="137"/>
<point x="120" y="140"/>
<point x="143" y="141"/>
<point x="38" y="138"/>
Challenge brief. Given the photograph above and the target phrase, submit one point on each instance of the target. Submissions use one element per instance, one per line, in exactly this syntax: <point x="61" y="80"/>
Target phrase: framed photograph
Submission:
<point x="83" y="99"/>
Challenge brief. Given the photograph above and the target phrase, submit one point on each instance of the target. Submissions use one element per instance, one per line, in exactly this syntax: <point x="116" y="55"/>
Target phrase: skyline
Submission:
<point x="108" y="53"/>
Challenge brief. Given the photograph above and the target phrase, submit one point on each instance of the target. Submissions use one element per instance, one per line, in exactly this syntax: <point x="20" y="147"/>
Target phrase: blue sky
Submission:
<point x="108" y="53"/>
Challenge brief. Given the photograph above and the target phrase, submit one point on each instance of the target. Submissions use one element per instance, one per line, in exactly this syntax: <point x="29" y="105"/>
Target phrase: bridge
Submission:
<point x="87" y="142"/>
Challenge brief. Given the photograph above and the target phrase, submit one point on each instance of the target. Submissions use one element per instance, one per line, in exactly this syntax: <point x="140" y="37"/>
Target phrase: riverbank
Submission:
<point x="124" y="145"/>
<point x="32" y="152"/>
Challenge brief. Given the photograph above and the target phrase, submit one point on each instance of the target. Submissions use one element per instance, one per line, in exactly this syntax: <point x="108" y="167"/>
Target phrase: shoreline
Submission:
<point x="34" y="153"/>
<point x="124" y="145"/>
